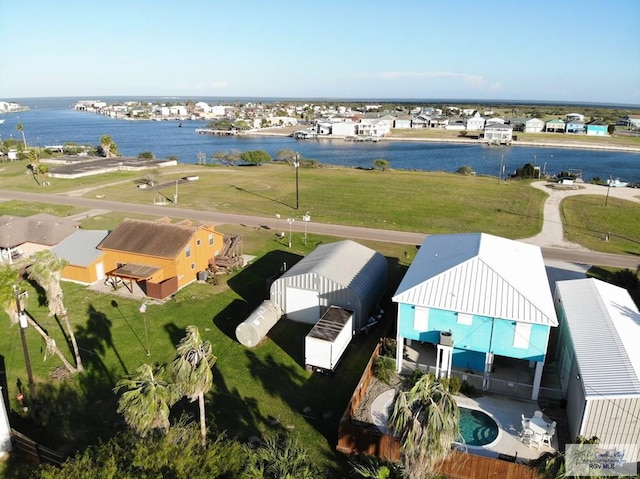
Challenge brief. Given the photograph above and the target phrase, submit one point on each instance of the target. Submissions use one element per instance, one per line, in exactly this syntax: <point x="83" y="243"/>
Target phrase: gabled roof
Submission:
<point x="81" y="248"/>
<point x="604" y="325"/>
<point x="40" y="229"/>
<point x="149" y="238"/>
<point x="480" y="274"/>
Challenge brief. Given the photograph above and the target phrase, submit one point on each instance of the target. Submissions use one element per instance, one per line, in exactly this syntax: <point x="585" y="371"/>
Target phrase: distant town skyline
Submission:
<point x="570" y="51"/>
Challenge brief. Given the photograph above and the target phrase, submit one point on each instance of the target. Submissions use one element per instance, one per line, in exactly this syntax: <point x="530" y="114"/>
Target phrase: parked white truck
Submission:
<point x="328" y="339"/>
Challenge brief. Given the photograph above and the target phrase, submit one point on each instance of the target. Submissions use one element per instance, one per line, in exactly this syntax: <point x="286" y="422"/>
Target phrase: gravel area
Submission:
<point x="376" y="387"/>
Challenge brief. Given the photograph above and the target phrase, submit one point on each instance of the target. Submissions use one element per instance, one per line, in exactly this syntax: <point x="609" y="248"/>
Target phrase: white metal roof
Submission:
<point x="604" y="324"/>
<point x="480" y="274"/>
<point x="347" y="263"/>
<point x="80" y="248"/>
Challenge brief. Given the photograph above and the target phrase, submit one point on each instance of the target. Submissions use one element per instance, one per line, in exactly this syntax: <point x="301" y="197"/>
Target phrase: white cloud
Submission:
<point x="218" y="84"/>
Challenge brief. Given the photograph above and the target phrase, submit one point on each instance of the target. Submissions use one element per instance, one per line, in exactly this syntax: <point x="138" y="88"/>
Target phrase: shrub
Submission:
<point x="455" y="384"/>
<point x="389" y="347"/>
<point x="384" y="368"/>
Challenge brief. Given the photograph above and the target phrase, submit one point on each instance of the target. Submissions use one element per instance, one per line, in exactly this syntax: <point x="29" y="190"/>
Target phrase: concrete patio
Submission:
<point x="507" y="412"/>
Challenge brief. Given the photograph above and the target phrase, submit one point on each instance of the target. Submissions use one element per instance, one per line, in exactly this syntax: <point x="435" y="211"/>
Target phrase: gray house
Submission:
<point x="599" y="362"/>
<point x="344" y="274"/>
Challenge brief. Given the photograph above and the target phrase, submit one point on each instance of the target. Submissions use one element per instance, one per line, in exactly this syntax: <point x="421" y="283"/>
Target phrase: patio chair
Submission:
<point x="525" y="432"/>
<point x="535" y="440"/>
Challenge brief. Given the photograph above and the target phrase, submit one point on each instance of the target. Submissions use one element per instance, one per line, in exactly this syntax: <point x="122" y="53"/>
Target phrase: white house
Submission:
<point x="599" y="362"/>
<point x="575" y="117"/>
<point x="475" y="123"/>
<point x="497" y="133"/>
<point x="534" y="125"/>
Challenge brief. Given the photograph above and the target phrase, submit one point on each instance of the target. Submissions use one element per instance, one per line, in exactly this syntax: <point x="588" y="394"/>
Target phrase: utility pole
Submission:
<point x="22" y="316"/>
<point x="296" y="165"/>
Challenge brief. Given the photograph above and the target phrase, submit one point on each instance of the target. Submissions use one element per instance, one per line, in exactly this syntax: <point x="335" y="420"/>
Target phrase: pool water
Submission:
<point x="477" y="428"/>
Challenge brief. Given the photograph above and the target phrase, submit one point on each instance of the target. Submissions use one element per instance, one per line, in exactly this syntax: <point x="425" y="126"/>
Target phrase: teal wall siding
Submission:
<point x="504" y="332"/>
<point x="482" y="335"/>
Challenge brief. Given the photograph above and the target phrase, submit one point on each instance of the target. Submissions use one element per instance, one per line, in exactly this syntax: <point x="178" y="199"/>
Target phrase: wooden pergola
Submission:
<point x="132" y="272"/>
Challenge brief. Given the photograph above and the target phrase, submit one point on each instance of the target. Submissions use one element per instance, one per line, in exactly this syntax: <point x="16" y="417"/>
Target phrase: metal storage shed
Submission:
<point x="344" y="274"/>
<point x="599" y="362"/>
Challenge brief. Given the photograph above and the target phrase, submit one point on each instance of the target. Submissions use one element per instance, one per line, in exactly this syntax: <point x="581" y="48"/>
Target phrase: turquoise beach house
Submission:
<point x="475" y="298"/>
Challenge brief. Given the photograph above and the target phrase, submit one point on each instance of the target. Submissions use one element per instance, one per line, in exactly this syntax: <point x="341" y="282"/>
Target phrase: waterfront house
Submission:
<point x="597" y="128"/>
<point x="475" y="123"/>
<point x="402" y="122"/>
<point x="555" y="126"/>
<point x="420" y="121"/>
<point x="498" y="133"/>
<point x="160" y="257"/>
<point x="575" y="126"/>
<point x="599" y="362"/>
<point x="533" y="125"/>
<point x="478" y="300"/>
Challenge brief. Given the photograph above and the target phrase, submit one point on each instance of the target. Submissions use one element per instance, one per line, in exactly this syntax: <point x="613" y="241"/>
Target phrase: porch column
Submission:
<point x="537" y="379"/>
<point x="443" y="361"/>
<point x="399" y="351"/>
<point x="488" y="365"/>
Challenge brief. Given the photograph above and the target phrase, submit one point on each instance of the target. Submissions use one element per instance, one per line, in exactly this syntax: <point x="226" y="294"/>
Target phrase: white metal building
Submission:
<point x="599" y="362"/>
<point x="344" y="274"/>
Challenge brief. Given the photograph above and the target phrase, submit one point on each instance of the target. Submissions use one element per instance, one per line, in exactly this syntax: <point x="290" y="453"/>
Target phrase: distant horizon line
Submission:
<point x="344" y="99"/>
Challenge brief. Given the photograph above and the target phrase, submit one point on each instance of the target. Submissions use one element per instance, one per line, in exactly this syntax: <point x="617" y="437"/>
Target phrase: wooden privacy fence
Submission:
<point x="35" y="451"/>
<point x="357" y="437"/>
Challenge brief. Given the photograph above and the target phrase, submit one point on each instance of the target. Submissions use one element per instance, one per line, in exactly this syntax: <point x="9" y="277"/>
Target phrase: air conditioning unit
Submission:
<point x="446" y="338"/>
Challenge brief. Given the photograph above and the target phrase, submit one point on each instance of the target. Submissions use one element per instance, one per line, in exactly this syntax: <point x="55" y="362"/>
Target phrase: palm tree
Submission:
<point x="20" y="128"/>
<point x="46" y="270"/>
<point x="282" y="457"/>
<point x="146" y="400"/>
<point x="108" y="146"/>
<point x="426" y="418"/>
<point x="192" y="371"/>
<point x="10" y="283"/>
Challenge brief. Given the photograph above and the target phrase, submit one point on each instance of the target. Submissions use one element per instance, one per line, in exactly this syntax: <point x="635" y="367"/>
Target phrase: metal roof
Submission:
<point x="480" y="274"/>
<point x="80" y="249"/>
<point x="347" y="263"/>
<point x="604" y="325"/>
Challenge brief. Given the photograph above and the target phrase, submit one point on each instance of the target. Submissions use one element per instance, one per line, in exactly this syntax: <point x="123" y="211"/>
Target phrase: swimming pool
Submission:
<point x="477" y="428"/>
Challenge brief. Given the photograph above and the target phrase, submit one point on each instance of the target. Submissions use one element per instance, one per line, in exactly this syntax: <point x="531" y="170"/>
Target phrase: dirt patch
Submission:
<point x="376" y="387"/>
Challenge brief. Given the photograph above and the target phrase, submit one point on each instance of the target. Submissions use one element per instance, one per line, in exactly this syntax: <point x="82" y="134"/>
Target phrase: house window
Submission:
<point x="198" y="242"/>
<point x="193" y="266"/>
<point x="211" y="239"/>
<point x="464" y="318"/>
<point x="421" y="319"/>
<point x="521" y="335"/>
<point x="187" y="252"/>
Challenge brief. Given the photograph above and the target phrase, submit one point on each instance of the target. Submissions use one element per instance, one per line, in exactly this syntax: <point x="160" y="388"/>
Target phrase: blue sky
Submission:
<point x="560" y="50"/>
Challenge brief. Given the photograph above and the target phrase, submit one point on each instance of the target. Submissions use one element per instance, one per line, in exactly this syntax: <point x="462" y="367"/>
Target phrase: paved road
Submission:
<point x="553" y="248"/>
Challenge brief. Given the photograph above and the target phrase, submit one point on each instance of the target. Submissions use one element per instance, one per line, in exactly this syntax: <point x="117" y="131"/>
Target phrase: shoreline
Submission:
<point x="468" y="141"/>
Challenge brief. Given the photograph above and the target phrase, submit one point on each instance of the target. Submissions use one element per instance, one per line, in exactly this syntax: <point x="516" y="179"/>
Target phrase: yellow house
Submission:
<point x="85" y="262"/>
<point x="161" y="257"/>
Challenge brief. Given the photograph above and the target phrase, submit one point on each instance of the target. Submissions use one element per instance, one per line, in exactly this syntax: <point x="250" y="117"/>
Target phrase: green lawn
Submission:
<point x="253" y="387"/>
<point x="603" y="224"/>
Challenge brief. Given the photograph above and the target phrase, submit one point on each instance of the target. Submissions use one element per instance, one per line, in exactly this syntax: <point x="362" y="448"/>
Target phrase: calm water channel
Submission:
<point x="54" y="122"/>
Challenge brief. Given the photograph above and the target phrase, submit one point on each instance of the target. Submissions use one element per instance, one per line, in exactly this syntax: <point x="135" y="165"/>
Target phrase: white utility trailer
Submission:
<point x="328" y="339"/>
